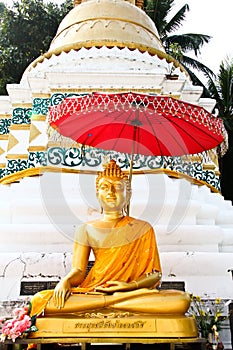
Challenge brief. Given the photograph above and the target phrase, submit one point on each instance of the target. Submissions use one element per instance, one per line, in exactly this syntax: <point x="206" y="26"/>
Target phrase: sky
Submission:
<point x="210" y="17"/>
<point x="213" y="18"/>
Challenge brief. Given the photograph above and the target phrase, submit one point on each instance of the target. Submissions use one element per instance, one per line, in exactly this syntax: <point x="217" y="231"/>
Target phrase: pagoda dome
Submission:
<point x="110" y="23"/>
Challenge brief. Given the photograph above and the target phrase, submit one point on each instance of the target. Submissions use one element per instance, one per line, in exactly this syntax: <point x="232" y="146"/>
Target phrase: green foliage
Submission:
<point x="221" y="89"/>
<point x="175" y="51"/>
<point x="2" y="8"/>
<point x="208" y="315"/>
<point x="160" y="12"/>
<point x="26" y="31"/>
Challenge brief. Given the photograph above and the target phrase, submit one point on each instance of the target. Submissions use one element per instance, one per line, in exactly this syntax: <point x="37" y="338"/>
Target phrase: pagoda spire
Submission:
<point x="138" y="3"/>
<point x="77" y="2"/>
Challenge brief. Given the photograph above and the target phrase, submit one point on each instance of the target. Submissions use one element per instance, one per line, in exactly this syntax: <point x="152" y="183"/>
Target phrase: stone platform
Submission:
<point x="123" y="343"/>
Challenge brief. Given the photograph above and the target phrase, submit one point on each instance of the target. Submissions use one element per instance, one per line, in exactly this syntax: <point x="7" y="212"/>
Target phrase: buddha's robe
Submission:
<point x="123" y="253"/>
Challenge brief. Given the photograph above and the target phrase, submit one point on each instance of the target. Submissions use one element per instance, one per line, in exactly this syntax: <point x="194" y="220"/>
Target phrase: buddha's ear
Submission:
<point x="128" y="195"/>
<point x="101" y="208"/>
<point x="127" y="201"/>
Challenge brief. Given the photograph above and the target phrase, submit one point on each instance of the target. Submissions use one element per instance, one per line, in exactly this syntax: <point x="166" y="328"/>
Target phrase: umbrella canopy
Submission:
<point x="137" y="123"/>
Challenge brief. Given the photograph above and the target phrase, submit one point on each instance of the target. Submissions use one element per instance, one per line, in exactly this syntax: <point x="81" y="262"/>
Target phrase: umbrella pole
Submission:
<point x="131" y="164"/>
<point x="130" y="177"/>
<point x="131" y="169"/>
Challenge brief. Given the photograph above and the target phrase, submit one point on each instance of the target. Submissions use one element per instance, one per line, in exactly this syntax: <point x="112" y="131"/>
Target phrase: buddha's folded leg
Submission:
<point x="77" y="303"/>
<point x="85" y="302"/>
<point x="43" y="302"/>
<point x="164" y="302"/>
<point x="39" y="301"/>
<point x="140" y="300"/>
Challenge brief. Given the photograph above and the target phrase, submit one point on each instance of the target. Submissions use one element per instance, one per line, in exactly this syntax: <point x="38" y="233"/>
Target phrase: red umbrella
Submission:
<point x="137" y="123"/>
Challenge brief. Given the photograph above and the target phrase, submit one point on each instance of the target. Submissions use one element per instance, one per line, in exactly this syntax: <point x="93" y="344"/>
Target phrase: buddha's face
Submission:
<point x="112" y="194"/>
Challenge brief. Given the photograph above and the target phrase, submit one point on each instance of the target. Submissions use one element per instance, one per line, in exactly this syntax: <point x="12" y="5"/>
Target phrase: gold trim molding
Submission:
<point x="88" y="44"/>
<point x="4" y="137"/>
<point x="5" y="116"/>
<point x="22" y="105"/>
<point x="40" y="95"/>
<point x="114" y="90"/>
<point x="38" y="118"/>
<point x="20" y="127"/>
<point x="37" y="148"/>
<point x="40" y="170"/>
<point x="17" y="156"/>
<point x="52" y="144"/>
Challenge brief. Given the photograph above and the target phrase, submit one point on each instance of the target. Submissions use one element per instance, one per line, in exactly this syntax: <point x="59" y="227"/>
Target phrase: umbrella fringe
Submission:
<point x="63" y="141"/>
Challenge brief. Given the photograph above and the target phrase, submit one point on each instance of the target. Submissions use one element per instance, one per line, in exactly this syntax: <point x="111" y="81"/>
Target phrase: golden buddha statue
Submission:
<point x="126" y="270"/>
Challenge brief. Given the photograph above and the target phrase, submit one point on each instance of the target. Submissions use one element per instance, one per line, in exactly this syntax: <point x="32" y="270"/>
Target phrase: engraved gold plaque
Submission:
<point x="115" y="325"/>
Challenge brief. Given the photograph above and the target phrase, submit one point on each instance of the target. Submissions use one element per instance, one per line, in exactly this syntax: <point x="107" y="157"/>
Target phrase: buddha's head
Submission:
<point x="113" y="188"/>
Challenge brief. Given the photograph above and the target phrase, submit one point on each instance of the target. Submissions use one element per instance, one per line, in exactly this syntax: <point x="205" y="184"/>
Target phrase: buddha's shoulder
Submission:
<point x="138" y="222"/>
<point x="125" y="221"/>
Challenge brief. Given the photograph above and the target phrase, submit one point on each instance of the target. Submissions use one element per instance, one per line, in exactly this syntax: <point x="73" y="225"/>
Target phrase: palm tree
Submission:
<point x="220" y="88"/>
<point x="158" y="11"/>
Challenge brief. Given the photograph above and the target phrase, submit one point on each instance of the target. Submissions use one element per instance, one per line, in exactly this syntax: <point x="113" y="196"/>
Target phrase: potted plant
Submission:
<point x="176" y="53"/>
<point x="209" y="317"/>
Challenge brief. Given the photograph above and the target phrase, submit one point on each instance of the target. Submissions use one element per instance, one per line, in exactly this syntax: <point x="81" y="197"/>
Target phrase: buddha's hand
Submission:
<point x="114" y="286"/>
<point x="61" y="293"/>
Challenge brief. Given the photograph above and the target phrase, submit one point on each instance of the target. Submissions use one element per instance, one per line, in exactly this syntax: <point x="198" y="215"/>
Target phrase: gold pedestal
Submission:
<point x="99" y="325"/>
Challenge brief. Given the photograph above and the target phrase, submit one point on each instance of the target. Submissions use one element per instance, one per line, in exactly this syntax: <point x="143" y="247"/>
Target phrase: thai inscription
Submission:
<point x="113" y="325"/>
<point x="109" y="324"/>
<point x="32" y="287"/>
